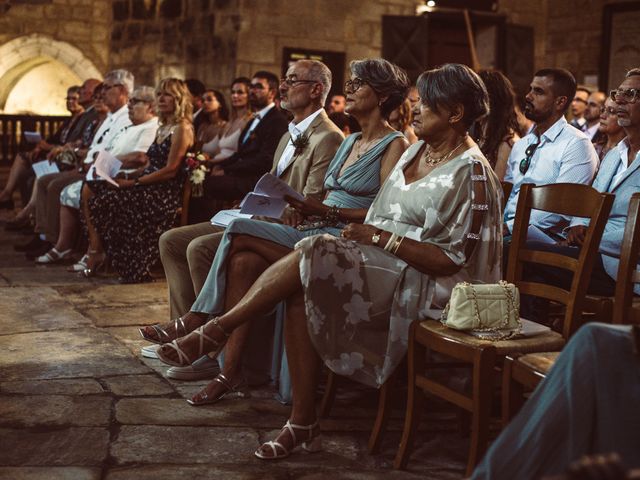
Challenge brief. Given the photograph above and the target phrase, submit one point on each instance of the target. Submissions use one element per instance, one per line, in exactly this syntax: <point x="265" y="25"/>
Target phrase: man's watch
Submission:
<point x="375" y="238"/>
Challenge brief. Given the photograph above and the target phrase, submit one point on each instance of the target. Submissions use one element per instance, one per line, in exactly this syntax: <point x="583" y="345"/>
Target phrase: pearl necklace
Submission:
<point x="432" y="162"/>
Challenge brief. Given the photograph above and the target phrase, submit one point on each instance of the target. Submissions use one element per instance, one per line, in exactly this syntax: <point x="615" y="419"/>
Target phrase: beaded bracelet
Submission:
<point x="332" y="215"/>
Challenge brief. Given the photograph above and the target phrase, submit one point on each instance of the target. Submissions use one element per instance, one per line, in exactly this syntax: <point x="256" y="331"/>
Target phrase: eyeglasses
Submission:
<point x="607" y="110"/>
<point x="352" y="86"/>
<point x="292" y="82"/>
<point x="106" y="86"/>
<point x="578" y="99"/>
<point x="525" y="162"/>
<point x="630" y="95"/>
<point x="135" y="101"/>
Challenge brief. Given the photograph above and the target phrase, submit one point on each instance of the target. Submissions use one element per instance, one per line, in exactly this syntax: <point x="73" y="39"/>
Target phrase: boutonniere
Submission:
<point x="300" y="143"/>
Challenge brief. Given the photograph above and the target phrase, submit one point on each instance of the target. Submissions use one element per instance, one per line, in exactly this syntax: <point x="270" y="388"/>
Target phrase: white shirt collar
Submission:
<point x="123" y="110"/>
<point x="297" y="129"/>
<point x="260" y="114"/>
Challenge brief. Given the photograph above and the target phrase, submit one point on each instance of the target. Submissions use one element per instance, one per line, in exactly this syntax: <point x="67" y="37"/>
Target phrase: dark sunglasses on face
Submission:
<point x="525" y="162"/>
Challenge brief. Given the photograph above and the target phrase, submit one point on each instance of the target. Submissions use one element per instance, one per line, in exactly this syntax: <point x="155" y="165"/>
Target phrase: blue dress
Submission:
<point x="355" y="188"/>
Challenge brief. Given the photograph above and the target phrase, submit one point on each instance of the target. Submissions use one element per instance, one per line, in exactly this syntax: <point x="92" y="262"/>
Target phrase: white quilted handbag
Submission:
<point x="490" y="310"/>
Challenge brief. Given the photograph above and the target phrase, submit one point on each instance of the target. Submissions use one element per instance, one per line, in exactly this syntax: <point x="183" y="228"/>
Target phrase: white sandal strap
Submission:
<point x="181" y="355"/>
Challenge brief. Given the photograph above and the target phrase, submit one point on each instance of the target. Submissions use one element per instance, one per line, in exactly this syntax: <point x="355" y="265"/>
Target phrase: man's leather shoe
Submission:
<point x="32" y="244"/>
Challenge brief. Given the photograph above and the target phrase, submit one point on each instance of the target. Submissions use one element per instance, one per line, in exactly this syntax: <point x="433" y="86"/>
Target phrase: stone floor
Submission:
<point x="79" y="402"/>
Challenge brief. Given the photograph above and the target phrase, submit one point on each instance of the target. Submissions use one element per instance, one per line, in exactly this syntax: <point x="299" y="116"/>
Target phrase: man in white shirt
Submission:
<point x="552" y="152"/>
<point x="592" y="114"/>
<point x="117" y="86"/>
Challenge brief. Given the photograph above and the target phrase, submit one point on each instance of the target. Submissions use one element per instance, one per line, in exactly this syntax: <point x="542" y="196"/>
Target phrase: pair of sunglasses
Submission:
<point x="525" y="162"/>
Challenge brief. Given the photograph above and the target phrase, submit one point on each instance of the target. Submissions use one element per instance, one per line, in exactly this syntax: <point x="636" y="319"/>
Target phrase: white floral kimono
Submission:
<point x="360" y="299"/>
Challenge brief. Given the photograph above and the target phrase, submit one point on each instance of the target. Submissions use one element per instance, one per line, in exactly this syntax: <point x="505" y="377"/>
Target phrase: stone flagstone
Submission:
<point x="54" y="411"/>
<point x="81" y="352"/>
<point x="76" y="446"/>
<point x="37" y="309"/>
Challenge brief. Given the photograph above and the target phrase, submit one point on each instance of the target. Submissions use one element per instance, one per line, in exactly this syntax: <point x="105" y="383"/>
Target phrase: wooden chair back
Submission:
<point x="566" y="199"/>
<point x="507" y="187"/>
<point x="628" y="273"/>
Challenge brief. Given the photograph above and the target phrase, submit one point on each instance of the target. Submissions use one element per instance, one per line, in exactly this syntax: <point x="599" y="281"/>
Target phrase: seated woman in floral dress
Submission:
<point x="360" y="166"/>
<point x="131" y="218"/>
<point x="350" y="299"/>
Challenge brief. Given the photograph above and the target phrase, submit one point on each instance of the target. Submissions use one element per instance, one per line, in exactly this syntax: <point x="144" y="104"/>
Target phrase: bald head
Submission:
<point x="86" y="92"/>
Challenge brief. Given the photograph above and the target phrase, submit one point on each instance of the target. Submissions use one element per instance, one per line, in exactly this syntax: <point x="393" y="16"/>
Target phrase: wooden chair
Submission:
<point x="507" y="187"/>
<point x="382" y="414"/>
<point x="182" y="214"/>
<point x="482" y="356"/>
<point x="523" y="373"/>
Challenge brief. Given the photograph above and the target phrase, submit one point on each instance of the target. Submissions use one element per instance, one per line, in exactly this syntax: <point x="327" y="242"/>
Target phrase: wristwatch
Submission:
<point x="375" y="238"/>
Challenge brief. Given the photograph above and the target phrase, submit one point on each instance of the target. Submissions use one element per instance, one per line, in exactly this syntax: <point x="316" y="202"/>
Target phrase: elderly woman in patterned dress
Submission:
<point x="435" y="222"/>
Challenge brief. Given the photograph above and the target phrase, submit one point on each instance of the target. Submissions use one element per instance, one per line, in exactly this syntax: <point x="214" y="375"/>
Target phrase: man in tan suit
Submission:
<point x="187" y="252"/>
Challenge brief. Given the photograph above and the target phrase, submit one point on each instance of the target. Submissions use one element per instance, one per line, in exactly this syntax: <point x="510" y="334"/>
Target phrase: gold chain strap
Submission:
<point x="511" y="308"/>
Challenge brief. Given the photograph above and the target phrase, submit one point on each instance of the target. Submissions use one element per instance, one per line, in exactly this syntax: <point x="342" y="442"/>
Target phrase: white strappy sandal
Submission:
<point x="311" y="444"/>
<point x="183" y="358"/>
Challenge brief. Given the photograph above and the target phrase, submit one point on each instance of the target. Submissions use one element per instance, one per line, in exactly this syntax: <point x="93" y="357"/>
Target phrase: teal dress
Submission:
<point x="355" y="188"/>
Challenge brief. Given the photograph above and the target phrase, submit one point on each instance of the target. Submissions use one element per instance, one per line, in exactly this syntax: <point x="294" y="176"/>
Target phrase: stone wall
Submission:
<point x="181" y="38"/>
<point x="84" y="24"/>
<point x="352" y="27"/>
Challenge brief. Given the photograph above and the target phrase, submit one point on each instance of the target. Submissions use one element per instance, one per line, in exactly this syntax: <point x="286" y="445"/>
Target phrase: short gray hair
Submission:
<point x="454" y="84"/>
<point x="633" y="72"/>
<point x="146" y="94"/>
<point x="121" y="77"/>
<point x="320" y="72"/>
<point x="384" y="78"/>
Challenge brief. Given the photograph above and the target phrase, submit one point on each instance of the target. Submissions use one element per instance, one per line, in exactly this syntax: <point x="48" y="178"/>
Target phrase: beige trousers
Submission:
<point x="187" y="254"/>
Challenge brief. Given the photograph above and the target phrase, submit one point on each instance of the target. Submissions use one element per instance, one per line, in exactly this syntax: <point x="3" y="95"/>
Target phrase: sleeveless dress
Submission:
<point x="223" y="147"/>
<point x="131" y="220"/>
<point x="356" y="187"/>
<point x="362" y="331"/>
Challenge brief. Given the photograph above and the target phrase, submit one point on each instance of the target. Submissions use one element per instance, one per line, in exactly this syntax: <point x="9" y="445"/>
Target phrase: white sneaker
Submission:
<point x="150" y="351"/>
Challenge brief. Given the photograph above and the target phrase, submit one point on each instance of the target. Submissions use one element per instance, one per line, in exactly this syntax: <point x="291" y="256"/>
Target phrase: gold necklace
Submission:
<point x="362" y="148"/>
<point x="432" y="162"/>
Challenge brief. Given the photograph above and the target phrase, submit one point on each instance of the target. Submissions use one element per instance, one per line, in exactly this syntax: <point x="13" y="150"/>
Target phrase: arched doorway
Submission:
<point x="36" y="70"/>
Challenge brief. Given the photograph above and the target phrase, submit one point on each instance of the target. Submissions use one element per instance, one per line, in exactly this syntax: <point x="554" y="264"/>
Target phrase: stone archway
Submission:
<point x="59" y="64"/>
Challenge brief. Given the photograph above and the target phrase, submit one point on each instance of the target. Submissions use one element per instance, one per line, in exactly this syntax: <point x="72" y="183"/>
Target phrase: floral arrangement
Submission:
<point x="300" y="143"/>
<point x="196" y="164"/>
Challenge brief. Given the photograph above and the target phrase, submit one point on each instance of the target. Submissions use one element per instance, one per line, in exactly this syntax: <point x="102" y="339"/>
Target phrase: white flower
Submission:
<point x="200" y="157"/>
<point x="357" y="309"/>
<point x="347" y="364"/>
<point x="197" y="176"/>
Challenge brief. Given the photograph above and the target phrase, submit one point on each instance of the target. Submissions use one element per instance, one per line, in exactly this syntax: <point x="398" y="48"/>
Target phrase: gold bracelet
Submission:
<point x="392" y="239"/>
<point x="396" y="245"/>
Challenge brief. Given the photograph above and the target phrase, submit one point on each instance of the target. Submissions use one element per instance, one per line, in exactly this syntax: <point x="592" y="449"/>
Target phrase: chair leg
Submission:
<point x="415" y="398"/>
<point x="382" y="417"/>
<point x="483" y="366"/>
<point x="512" y="393"/>
<point x="329" y="395"/>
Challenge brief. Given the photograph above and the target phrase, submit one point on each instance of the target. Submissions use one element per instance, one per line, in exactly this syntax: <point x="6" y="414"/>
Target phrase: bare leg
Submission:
<point x="304" y="367"/>
<point x="68" y="228"/>
<point x="30" y="207"/>
<point x="19" y="170"/>
<point x="249" y="257"/>
<point x="277" y="283"/>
